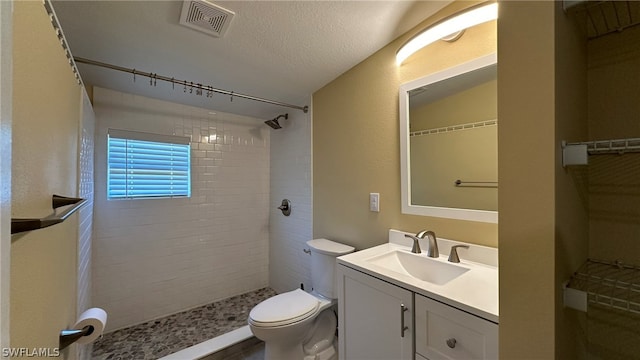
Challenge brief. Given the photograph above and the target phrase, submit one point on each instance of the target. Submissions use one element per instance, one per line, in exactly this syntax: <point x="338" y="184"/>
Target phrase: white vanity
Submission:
<point x="394" y="304"/>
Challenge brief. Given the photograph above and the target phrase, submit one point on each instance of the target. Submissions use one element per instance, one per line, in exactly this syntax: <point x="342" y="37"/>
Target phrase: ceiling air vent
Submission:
<point x="206" y="17"/>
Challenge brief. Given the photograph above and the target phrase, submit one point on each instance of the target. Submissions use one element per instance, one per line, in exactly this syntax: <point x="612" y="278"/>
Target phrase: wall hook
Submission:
<point x="285" y="207"/>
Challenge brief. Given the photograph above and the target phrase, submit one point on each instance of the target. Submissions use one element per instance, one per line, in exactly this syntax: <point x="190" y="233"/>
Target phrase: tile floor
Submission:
<point x="164" y="336"/>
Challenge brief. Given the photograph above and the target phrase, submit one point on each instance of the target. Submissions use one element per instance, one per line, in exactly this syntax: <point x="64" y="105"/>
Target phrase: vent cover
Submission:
<point x="206" y="17"/>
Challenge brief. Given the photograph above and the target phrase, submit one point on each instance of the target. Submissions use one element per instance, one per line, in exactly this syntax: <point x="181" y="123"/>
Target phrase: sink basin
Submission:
<point x="418" y="266"/>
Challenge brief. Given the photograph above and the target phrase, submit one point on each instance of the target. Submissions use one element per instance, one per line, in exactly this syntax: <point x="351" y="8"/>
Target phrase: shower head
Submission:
<point x="274" y="122"/>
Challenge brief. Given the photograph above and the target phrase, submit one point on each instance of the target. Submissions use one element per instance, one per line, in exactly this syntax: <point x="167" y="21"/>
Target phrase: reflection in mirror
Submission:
<point x="449" y="143"/>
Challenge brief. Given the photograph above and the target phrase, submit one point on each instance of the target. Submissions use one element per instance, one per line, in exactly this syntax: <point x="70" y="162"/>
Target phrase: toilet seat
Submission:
<point x="284" y="309"/>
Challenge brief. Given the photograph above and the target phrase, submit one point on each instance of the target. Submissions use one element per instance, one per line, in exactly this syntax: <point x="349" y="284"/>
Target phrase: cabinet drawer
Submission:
<point x="444" y="332"/>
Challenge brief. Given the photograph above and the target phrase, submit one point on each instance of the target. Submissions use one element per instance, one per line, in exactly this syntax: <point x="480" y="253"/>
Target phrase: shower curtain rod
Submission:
<point x="191" y="85"/>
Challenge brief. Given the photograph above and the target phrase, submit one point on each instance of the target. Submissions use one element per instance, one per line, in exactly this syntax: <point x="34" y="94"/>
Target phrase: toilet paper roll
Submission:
<point x="95" y="317"/>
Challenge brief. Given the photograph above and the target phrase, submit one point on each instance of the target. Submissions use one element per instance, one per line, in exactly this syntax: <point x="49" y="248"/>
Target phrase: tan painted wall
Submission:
<point x="614" y="192"/>
<point x="46" y="112"/>
<point x="6" y="76"/>
<point x="570" y="189"/>
<point x="356" y="148"/>
<point x="526" y="170"/>
<point x="614" y="180"/>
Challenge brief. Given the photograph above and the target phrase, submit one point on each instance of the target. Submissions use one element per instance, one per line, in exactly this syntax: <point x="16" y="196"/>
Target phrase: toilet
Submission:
<point x="298" y="325"/>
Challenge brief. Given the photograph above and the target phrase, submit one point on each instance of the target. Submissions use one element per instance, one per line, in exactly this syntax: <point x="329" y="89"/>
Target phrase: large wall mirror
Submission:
<point x="449" y="143"/>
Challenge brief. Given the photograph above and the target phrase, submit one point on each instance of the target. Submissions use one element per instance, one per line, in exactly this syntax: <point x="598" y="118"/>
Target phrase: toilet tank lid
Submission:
<point x="325" y="246"/>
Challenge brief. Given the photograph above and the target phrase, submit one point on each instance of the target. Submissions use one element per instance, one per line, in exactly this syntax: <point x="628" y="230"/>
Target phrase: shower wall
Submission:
<point x="154" y="257"/>
<point x="290" y="179"/>
<point x="85" y="215"/>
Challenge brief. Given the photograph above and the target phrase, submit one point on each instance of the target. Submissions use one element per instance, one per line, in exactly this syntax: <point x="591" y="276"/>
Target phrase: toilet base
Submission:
<point x="297" y="352"/>
<point x="330" y="353"/>
<point x="314" y="340"/>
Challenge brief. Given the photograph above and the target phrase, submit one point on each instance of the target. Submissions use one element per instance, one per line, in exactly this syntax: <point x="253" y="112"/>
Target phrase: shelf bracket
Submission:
<point x="574" y="154"/>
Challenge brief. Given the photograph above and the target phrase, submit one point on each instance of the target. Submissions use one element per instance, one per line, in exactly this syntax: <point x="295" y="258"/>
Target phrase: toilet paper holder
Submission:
<point x="68" y="337"/>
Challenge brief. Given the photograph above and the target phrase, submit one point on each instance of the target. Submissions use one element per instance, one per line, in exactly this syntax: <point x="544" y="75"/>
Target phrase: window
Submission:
<point x="142" y="165"/>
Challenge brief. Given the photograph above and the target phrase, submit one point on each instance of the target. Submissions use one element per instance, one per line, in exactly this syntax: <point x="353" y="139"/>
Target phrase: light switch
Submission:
<point x="374" y="202"/>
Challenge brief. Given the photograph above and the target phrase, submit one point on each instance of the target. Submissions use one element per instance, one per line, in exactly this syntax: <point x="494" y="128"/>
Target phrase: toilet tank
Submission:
<point x="323" y="265"/>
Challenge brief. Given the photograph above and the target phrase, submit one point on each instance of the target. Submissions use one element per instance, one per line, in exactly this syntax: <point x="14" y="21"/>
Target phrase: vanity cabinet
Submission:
<point x="379" y="320"/>
<point x="375" y="318"/>
<point x="444" y="332"/>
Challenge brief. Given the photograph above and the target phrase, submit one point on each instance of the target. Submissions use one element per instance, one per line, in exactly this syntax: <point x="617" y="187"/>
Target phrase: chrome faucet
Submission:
<point x="416" y="243"/>
<point x="432" y="250"/>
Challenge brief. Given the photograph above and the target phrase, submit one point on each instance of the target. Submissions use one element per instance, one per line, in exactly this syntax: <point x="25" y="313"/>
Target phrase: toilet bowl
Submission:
<point x="298" y="325"/>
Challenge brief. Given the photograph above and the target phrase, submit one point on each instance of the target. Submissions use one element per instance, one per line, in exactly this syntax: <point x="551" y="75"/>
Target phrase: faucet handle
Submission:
<point x="453" y="255"/>
<point x="416" y="244"/>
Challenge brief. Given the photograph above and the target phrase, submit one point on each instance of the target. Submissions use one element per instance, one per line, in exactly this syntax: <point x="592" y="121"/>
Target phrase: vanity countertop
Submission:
<point x="475" y="291"/>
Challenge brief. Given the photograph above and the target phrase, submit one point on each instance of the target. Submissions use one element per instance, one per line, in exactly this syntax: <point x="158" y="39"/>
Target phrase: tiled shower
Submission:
<point x="154" y="257"/>
<point x="157" y="257"/>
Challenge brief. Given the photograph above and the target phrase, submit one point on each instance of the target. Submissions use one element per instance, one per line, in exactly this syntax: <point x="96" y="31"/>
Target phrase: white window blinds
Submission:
<point x="142" y="165"/>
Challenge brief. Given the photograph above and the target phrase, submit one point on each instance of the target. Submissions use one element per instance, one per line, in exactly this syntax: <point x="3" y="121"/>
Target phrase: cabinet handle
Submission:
<point x="451" y="342"/>
<point x="403" y="309"/>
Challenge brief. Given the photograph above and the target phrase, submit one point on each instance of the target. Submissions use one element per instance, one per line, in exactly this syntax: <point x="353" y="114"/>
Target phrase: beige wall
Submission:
<point x="46" y="111"/>
<point x="614" y="180"/>
<point x="356" y="148"/>
<point x="614" y="192"/>
<point x="570" y="190"/>
<point x="6" y="76"/>
<point x="542" y="219"/>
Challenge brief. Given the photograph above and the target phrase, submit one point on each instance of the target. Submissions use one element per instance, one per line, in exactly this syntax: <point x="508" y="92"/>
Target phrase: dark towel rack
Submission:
<point x="22" y="225"/>
<point x="493" y="184"/>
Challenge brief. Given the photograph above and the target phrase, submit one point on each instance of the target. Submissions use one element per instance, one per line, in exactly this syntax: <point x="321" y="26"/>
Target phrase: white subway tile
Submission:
<point x="160" y="256"/>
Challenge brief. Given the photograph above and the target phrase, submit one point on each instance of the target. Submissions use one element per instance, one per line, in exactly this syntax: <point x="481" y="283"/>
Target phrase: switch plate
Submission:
<point x="374" y="202"/>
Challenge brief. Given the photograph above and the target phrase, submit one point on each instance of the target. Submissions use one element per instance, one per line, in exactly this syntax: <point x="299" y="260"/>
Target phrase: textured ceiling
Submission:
<point x="280" y="50"/>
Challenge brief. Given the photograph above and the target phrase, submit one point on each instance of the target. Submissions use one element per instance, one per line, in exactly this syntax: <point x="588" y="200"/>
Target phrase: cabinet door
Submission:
<point x="444" y="332"/>
<point x="375" y="318"/>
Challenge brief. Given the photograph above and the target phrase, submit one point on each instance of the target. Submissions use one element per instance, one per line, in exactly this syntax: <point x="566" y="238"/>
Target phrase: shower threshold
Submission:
<point x="239" y="344"/>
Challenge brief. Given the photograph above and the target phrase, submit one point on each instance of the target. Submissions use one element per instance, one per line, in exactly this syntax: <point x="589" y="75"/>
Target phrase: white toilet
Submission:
<point x="297" y="325"/>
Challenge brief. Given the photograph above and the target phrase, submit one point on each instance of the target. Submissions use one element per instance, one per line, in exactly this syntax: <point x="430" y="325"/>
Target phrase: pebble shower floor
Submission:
<point x="161" y="337"/>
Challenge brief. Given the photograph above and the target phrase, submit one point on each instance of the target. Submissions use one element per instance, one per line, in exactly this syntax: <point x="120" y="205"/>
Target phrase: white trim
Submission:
<point x="405" y="177"/>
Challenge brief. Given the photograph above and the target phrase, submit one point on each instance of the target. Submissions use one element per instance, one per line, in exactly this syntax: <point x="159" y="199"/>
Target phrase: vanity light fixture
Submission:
<point x="447" y="28"/>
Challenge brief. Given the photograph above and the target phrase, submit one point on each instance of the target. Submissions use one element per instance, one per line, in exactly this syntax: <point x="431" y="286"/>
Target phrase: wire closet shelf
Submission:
<point x="618" y="146"/>
<point x="604" y="17"/>
<point x="610" y="284"/>
<point x="576" y="153"/>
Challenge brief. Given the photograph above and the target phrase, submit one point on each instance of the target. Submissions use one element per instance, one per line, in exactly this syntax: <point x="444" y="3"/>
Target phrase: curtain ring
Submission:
<point x="134" y="75"/>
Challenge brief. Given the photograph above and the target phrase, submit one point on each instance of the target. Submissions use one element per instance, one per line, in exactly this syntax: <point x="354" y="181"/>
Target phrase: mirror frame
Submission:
<point x="487" y="216"/>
